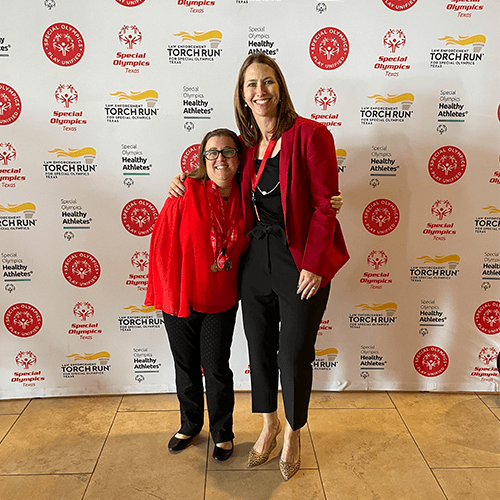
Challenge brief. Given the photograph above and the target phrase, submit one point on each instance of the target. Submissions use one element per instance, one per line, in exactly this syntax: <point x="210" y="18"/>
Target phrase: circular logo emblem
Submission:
<point x="487" y="317"/>
<point x="447" y="165"/>
<point x="189" y="159"/>
<point x="63" y="44"/>
<point x="10" y="104"/>
<point x="130" y="3"/>
<point x="329" y="48"/>
<point x="431" y="361"/>
<point x="139" y="217"/>
<point x="381" y="217"/>
<point x="23" y="320"/>
<point x="26" y="359"/>
<point x="399" y="4"/>
<point x="81" y="269"/>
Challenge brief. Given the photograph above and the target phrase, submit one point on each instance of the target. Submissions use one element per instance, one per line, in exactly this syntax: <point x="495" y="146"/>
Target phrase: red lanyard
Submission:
<point x="256" y="177"/>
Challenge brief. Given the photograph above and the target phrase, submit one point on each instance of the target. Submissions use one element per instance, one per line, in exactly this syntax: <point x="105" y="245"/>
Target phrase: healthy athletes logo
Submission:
<point x="73" y="216"/>
<point x="389" y="112"/>
<point x="491" y="266"/>
<point x="381" y="217"/>
<point x="431" y="315"/>
<point x="431" y="361"/>
<point x="130" y="3"/>
<point x="91" y="364"/>
<point x="81" y="269"/>
<point x="450" y="108"/>
<point x="23" y="320"/>
<point x="438" y="267"/>
<point x="464" y="50"/>
<point x="487" y="317"/>
<point x="370" y="359"/>
<point x="259" y="42"/>
<point x="10" y="104"/>
<point x="17" y="217"/>
<point x="66" y="94"/>
<point x="140" y="317"/>
<point x="71" y="167"/>
<point x="195" y="106"/>
<point x="130" y="111"/>
<point x="139" y="216"/>
<point x="329" y="48"/>
<point x="488" y="223"/>
<point x="134" y="162"/>
<point x="14" y="269"/>
<point x="63" y="44"/>
<point x="325" y="98"/>
<point x="200" y="46"/>
<point x="393" y="40"/>
<point x="374" y="315"/>
<point x="325" y="359"/>
<point x="189" y="158"/>
<point x="381" y="164"/>
<point x="399" y="5"/>
<point x="144" y="362"/>
<point x="447" y="165"/>
<point x="4" y="48"/>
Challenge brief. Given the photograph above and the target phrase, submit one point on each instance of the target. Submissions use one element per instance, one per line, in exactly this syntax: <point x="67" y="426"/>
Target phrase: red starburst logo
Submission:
<point x="63" y="44"/>
<point x="7" y="152"/>
<point x="10" y="104"/>
<point x="325" y="97"/>
<point x="140" y="260"/>
<point x="81" y="269"/>
<point x="377" y="259"/>
<point x="399" y="5"/>
<point x="139" y="217"/>
<point x="83" y="310"/>
<point x="394" y="39"/>
<point x="447" y="165"/>
<point x="381" y="217"/>
<point x="130" y="35"/>
<point x="431" y="361"/>
<point x="66" y="94"/>
<point x="441" y="209"/>
<point x="23" y="320"/>
<point x="488" y="355"/>
<point x="487" y="317"/>
<point x="26" y="359"/>
<point x="329" y="48"/>
<point x="189" y="159"/>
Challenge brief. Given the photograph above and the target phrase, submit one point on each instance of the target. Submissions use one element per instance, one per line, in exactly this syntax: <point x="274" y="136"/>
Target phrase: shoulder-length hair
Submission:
<point x="245" y="120"/>
<point x="200" y="173"/>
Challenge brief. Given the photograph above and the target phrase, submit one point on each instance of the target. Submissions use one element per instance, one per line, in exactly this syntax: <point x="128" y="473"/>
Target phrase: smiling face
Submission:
<point x="222" y="170"/>
<point x="261" y="90"/>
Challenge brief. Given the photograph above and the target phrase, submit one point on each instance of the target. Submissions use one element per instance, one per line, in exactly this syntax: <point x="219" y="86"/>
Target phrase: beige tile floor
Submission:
<point x="356" y="446"/>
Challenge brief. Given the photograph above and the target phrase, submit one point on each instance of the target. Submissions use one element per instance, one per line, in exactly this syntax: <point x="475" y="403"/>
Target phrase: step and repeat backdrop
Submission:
<point x="103" y="102"/>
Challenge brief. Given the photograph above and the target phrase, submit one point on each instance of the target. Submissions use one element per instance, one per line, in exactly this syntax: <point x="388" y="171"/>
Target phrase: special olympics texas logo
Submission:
<point x="139" y="217"/>
<point x="189" y="159"/>
<point x="63" y="44"/>
<point x="23" y="320"/>
<point x="381" y="217"/>
<point x="66" y="94"/>
<point x="441" y="208"/>
<point x="394" y="39"/>
<point x="7" y="153"/>
<point x="10" y="104"/>
<point x="81" y="269"/>
<point x="431" y="361"/>
<point x="83" y="310"/>
<point x="487" y="317"/>
<point x="447" y="165"/>
<point x="399" y="5"/>
<point x="130" y="35"/>
<point x="325" y="97"/>
<point x="329" y="48"/>
<point x="26" y="359"/>
<point x="377" y="259"/>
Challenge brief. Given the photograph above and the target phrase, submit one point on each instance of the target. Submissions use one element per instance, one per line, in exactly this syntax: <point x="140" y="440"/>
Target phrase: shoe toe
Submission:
<point x="221" y="455"/>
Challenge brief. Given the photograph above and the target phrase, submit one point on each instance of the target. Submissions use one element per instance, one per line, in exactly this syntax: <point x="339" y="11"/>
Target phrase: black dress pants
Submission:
<point x="204" y="341"/>
<point x="281" y="328"/>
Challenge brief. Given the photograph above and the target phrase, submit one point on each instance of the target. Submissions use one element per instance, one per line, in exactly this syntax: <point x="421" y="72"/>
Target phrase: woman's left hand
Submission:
<point x="309" y="284"/>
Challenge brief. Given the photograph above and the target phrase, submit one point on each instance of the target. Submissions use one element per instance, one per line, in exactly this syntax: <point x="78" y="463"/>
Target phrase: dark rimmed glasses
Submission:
<point x="213" y="154"/>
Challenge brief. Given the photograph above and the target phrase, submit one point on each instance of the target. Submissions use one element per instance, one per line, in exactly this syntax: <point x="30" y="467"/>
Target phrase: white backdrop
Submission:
<point x="102" y="102"/>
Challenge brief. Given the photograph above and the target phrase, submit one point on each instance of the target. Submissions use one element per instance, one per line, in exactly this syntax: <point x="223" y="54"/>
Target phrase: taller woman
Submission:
<point x="289" y="174"/>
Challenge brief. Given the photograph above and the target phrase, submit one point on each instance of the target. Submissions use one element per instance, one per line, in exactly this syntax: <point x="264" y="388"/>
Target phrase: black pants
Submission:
<point x="204" y="341"/>
<point x="281" y="328"/>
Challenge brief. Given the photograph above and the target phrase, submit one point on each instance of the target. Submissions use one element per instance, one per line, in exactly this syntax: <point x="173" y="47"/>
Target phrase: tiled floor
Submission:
<point x="356" y="446"/>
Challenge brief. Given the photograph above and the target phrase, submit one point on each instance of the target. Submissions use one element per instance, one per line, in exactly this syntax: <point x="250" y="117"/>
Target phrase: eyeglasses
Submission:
<point x="213" y="154"/>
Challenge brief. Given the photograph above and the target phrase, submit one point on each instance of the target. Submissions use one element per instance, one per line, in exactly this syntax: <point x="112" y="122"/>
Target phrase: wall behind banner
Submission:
<point x="103" y="102"/>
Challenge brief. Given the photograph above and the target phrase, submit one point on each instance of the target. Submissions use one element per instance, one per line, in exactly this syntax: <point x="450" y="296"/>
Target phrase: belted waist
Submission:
<point x="260" y="231"/>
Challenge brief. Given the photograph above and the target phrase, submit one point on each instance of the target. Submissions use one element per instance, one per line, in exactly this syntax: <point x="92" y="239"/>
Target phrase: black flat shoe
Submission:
<point x="176" y="445"/>
<point x="221" y="455"/>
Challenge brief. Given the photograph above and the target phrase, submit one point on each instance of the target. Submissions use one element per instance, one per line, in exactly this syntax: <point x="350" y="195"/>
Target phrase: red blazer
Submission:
<point x="308" y="179"/>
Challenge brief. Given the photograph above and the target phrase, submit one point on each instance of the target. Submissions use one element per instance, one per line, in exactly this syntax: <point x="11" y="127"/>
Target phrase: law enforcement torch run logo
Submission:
<point x="23" y="320"/>
<point x="329" y="48"/>
<point x="447" y="165"/>
<point x="487" y="317"/>
<point x="381" y="217"/>
<point x="63" y="44"/>
<point x="81" y="269"/>
<point x="139" y="217"/>
<point x="10" y="104"/>
<point x="431" y="361"/>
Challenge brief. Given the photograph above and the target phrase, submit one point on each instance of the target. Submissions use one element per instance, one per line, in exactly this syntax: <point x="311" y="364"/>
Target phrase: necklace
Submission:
<point x="265" y="193"/>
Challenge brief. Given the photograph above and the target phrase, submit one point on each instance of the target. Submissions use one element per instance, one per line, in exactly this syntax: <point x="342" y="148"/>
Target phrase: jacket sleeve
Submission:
<point x="322" y="173"/>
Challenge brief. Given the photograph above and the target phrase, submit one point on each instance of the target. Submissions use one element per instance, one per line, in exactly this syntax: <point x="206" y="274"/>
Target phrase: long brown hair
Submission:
<point x="200" y="173"/>
<point x="245" y="120"/>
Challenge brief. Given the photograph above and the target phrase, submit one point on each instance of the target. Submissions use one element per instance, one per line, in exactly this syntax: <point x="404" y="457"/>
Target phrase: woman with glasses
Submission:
<point x="195" y="252"/>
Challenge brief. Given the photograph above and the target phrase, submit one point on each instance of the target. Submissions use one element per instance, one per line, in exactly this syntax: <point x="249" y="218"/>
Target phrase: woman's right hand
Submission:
<point x="176" y="187"/>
